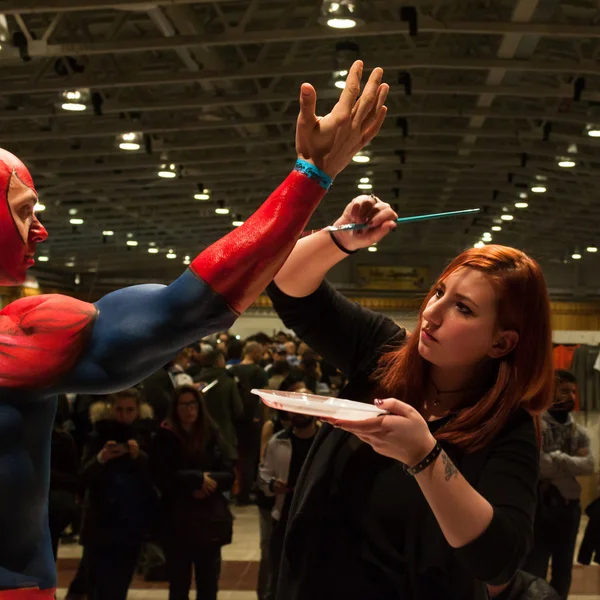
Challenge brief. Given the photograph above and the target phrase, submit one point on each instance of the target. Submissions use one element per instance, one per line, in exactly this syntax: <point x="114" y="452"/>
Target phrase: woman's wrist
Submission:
<point x="429" y="450"/>
<point x="340" y="245"/>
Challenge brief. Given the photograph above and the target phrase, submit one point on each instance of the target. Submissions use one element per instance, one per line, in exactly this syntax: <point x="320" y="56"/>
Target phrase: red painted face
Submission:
<point x="20" y="229"/>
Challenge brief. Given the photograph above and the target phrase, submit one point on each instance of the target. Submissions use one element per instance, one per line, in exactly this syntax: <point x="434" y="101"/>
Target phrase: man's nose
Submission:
<point x="38" y="232"/>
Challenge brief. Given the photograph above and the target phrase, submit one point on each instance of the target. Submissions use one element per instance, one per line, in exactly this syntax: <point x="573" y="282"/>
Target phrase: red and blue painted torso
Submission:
<point x="51" y="344"/>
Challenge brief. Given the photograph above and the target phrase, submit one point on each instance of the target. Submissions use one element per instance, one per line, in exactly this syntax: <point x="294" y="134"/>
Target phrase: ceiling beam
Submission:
<point x="31" y="7"/>
<point x="385" y="28"/>
<point x="118" y="127"/>
<point x="305" y="70"/>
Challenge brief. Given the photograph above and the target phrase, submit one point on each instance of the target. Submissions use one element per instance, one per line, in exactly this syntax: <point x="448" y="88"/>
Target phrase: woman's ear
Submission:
<point x="505" y="343"/>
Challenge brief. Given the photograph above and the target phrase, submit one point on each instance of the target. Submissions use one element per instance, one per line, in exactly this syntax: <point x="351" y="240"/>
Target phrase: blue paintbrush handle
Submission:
<point x="452" y="213"/>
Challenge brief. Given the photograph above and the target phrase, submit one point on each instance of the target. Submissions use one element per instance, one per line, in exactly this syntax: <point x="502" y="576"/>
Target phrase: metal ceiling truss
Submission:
<point x="484" y="101"/>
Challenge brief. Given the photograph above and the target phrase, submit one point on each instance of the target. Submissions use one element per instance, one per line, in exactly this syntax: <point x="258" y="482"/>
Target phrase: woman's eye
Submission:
<point x="439" y="293"/>
<point x="464" y="309"/>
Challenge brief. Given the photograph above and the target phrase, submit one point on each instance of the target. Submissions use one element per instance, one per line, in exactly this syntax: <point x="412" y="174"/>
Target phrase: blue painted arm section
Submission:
<point x="140" y="328"/>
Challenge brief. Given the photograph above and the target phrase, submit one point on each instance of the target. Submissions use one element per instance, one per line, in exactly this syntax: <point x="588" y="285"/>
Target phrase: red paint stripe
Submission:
<point x="27" y="594"/>
<point x="240" y="265"/>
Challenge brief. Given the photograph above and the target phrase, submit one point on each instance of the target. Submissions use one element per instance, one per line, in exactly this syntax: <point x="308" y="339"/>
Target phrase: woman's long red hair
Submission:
<point x="524" y="376"/>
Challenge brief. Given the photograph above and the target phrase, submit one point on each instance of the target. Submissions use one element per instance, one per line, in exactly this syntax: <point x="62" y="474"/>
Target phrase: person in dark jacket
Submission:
<point x="223" y="399"/>
<point x="191" y="470"/>
<point x="64" y="483"/>
<point x="249" y="375"/>
<point x="436" y="498"/>
<point x="120" y="498"/>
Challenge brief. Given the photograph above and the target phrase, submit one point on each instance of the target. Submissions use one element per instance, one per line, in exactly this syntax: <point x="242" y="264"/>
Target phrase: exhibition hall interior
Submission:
<point x="153" y="129"/>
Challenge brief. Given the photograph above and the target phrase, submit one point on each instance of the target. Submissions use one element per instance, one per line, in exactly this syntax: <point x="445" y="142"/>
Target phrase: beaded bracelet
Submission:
<point x="313" y="172"/>
<point x="437" y="450"/>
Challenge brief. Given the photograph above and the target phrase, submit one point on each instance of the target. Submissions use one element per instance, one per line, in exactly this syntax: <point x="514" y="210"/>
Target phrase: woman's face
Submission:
<point x="187" y="408"/>
<point x="126" y="410"/>
<point x="459" y="323"/>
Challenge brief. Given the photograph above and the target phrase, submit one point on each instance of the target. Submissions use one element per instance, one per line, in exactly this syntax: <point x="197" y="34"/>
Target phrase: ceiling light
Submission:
<point x="372" y="248"/>
<point x="566" y="163"/>
<point x="339" y="79"/>
<point x="237" y="221"/>
<point x="496" y="228"/>
<point x="593" y="130"/>
<point x="131" y="242"/>
<point x="592" y="249"/>
<point x="187" y="257"/>
<point x="186" y="262"/>
<point x="75" y="100"/>
<point x="507" y="217"/>
<point x="202" y="193"/>
<point x="171" y="254"/>
<point x="152" y="250"/>
<point x="167" y="171"/>
<point x="76" y="221"/>
<point x="222" y="209"/>
<point x="108" y="232"/>
<point x="576" y="255"/>
<point x="342" y="14"/>
<point x="364" y="186"/>
<point x="43" y="258"/>
<point x="130" y="141"/>
<point x="70" y="264"/>
<point x="486" y="237"/>
<point x="538" y="189"/>
<point x="523" y="195"/>
<point x="39" y="207"/>
<point x="364" y="180"/>
<point x="72" y="211"/>
<point x="361" y="157"/>
<point x="478" y="245"/>
<point x="521" y="205"/>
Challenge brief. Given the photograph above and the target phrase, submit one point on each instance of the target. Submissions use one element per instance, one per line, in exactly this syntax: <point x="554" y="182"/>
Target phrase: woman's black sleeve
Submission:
<point x="344" y="333"/>
<point x="509" y="483"/>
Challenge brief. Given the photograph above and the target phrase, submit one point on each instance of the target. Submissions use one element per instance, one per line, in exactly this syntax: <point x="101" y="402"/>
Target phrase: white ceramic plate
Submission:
<point x="318" y="406"/>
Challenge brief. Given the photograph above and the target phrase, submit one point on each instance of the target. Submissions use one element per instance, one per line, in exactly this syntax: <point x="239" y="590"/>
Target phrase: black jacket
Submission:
<point x="120" y="501"/>
<point x="505" y="473"/>
<point x="224" y="404"/>
<point x="64" y="472"/>
<point x="185" y="521"/>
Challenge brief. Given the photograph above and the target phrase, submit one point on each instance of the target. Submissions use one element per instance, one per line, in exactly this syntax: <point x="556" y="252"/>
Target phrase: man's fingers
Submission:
<point x="308" y="104"/>
<point x="369" y="98"/>
<point x="373" y="130"/>
<point x="382" y="94"/>
<point x="350" y="93"/>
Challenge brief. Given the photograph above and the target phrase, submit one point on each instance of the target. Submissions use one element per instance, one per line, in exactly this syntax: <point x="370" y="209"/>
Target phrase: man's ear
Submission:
<point x="504" y="344"/>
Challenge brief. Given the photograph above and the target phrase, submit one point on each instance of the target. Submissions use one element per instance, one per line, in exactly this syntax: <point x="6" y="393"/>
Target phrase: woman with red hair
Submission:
<point x="436" y="499"/>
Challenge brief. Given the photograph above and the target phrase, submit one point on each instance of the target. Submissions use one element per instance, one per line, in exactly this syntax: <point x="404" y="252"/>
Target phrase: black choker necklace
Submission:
<point x="437" y="401"/>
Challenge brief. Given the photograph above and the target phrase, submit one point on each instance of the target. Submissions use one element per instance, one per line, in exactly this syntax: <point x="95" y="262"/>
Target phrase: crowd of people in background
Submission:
<point x="144" y="478"/>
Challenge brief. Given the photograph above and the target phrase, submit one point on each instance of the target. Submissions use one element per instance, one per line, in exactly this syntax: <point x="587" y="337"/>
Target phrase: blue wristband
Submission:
<point x="308" y="169"/>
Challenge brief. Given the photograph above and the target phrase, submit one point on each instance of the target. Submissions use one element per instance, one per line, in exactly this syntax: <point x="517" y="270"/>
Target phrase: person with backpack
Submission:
<point x="249" y="375"/>
<point x="223" y="399"/>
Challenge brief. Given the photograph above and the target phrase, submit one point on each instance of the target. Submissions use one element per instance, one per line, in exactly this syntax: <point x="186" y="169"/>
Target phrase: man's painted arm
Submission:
<point x="138" y="329"/>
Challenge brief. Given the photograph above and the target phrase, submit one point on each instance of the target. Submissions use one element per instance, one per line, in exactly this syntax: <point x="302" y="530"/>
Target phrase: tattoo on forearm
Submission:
<point x="449" y="468"/>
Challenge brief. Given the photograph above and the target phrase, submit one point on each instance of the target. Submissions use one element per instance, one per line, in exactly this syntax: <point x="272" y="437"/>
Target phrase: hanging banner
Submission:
<point x="392" y="278"/>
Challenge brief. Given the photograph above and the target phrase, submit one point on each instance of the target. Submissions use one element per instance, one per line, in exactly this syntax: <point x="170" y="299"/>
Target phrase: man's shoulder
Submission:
<point x="41" y="338"/>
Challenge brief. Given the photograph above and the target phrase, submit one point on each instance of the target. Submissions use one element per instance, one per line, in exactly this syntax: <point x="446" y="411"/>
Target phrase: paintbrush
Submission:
<point x="452" y="213"/>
